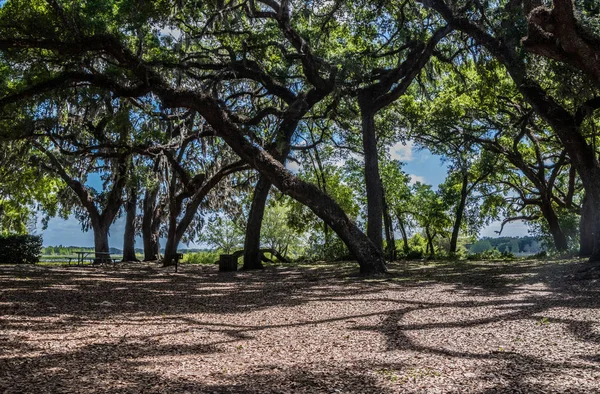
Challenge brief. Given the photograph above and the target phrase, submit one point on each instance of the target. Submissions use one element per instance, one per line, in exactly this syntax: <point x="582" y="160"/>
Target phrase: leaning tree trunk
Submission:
<point x="368" y="255"/>
<point x="558" y="236"/>
<point x="252" y="254"/>
<point x="372" y="179"/>
<point x="460" y="211"/>
<point x="586" y="228"/>
<point x="129" y="237"/>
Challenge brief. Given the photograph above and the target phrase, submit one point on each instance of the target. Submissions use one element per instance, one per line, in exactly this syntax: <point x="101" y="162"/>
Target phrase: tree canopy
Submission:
<point x="189" y="112"/>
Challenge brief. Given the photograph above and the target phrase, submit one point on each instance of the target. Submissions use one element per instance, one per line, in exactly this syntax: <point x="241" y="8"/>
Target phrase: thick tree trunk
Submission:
<point x="595" y="213"/>
<point x="150" y="226"/>
<point x="558" y="236"/>
<point x="586" y="228"/>
<point x="101" y="247"/>
<point x="129" y="238"/>
<point x="252" y="254"/>
<point x="460" y="211"/>
<point x="372" y="178"/>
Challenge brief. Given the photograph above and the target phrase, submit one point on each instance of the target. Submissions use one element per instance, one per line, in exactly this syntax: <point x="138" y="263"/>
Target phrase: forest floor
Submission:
<point x="444" y="327"/>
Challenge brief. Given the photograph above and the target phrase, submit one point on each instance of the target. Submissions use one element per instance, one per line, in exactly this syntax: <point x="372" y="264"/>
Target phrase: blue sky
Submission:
<point x="421" y="165"/>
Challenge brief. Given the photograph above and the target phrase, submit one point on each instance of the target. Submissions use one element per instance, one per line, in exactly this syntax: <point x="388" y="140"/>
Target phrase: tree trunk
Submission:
<point x="372" y="178"/>
<point x="252" y="254"/>
<point x="404" y="235"/>
<point x="100" y="241"/>
<point x="172" y="241"/>
<point x="129" y="238"/>
<point x="389" y="231"/>
<point x="558" y="236"/>
<point x="368" y="256"/>
<point x="595" y="210"/>
<point x="460" y="210"/>
<point x="586" y="228"/>
<point x="430" y="247"/>
<point x="565" y="125"/>
<point x="150" y="225"/>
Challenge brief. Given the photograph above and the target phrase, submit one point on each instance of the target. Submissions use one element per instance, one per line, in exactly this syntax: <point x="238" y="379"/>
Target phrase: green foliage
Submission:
<point x="24" y="189"/>
<point x="322" y="242"/>
<point x="223" y="234"/>
<point x="20" y="249"/>
<point x="481" y="246"/>
<point x="277" y="234"/>
<point x="202" y="258"/>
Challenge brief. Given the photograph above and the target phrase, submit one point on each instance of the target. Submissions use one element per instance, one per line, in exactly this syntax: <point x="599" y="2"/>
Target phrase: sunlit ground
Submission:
<point x="480" y="327"/>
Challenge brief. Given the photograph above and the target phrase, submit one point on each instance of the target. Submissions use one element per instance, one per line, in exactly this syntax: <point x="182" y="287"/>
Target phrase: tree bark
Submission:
<point x="172" y="239"/>
<point x="460" y="210"/>
<point x="151" y="225"/>
<point x="252" y="254"/>
<point x="372" y="177"/>
<point x="100" y="241"/>
<point x="586" y="228"/>
<point x="129" y="237"/>
<point x="558" y="236"/>
<point x="390" y="240"/>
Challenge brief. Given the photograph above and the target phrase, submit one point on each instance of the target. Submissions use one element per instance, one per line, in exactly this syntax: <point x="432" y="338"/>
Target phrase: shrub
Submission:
<point x="493" y="254"/>
<point x="414" y="254"/>
<point x="205" y="258"/>
<point x="20" y="249"/>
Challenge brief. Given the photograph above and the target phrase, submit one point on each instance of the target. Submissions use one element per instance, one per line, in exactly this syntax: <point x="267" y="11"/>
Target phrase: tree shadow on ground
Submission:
<point x="54" y="301"/>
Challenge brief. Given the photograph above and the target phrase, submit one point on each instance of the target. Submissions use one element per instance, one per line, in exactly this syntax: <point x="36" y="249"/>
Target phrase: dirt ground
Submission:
<point x="485" y="327"/>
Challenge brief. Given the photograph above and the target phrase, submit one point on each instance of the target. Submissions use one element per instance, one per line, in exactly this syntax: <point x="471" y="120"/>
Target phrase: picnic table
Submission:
<point x="80" y="257"/>
<point x="95" y="258"/>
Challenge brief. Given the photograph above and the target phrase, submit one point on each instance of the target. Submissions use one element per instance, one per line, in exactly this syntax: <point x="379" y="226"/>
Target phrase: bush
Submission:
<point x="20" y="249"/>
<point x="206" y="258"/>
<point x="414" y="254"/>
<point x="493" y="254"/>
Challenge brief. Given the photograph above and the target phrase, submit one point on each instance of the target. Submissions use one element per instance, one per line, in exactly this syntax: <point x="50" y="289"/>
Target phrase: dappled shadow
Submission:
<point x="85" y="328"/>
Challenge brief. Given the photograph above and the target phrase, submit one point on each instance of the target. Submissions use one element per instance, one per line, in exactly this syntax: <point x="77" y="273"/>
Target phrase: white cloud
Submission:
<point x="416" y="178"/>
<point x="402" y="151"/>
